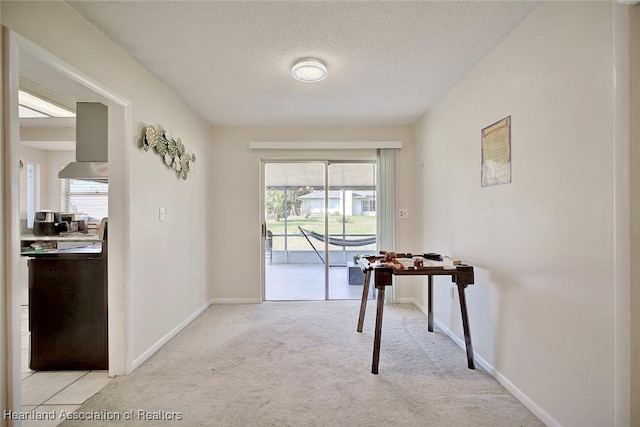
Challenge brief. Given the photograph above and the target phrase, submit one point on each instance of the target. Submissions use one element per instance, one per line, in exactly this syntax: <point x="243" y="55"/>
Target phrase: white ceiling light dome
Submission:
<point x="309" y="70"/>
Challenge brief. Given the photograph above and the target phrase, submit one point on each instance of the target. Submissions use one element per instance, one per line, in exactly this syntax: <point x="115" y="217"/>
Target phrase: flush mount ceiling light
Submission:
<point x="309" y="70"/>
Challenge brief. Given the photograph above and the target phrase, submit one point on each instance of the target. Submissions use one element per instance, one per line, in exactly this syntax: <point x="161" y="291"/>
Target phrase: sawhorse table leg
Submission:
<point x="378" y="332"/>
<point x="365" y="296"/>
<point x="430" y="305"/>
<point x="465" y="325"/>
<point x="384" y="279"/>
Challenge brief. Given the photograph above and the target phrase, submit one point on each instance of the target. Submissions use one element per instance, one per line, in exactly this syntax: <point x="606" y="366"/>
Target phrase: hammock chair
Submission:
<point x="334" y="240"/>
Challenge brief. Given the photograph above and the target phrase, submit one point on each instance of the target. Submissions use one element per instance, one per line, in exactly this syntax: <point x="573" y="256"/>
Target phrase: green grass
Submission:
<point x="354" y="225"/>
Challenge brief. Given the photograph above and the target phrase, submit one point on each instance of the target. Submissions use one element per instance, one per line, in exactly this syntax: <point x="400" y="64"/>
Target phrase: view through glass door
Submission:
<point x="303" y="203"/>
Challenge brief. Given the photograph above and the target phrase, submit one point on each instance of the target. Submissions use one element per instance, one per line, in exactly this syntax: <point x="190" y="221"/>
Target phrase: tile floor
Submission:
<point x="58" y="391"/>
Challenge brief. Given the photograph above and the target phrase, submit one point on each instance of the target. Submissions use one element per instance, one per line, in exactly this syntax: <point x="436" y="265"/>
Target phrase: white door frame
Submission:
<point x="263" y="220"/>
<point x="120" y="120"/>
<point x="326" y="162"/>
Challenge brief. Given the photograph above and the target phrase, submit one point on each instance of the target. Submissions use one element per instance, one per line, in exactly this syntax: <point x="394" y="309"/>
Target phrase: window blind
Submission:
<point x="386" y="191"/>
<point x="91" y="198"/>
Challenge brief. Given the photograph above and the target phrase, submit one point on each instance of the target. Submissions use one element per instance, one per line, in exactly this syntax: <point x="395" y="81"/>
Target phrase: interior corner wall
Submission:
<point x="634" y="62"/>
<point x="164" y="263"/>
<point x="52" y="185"/>
<point x="541" y="309"/>
<point x="38" y="157"/>
<point x="50" y="163"/>
<point x="235" y="172"/>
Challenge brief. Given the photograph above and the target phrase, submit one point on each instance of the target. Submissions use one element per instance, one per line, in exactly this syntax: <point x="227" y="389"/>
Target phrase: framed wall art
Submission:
<point x="496" y="153"/>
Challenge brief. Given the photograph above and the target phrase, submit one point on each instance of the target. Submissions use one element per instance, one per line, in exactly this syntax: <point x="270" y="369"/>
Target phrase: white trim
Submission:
<point x="11" y="387"/>
<point x="162" y="341"/>
<point x="413" y="301"/>
<point x="323" y="145"/>
<point x="517" y="393"/>
<point x="120" y="336"/>
<point x="30" y="48"/>
<point x="235" y="301"/>
<point x="263" y="231"/>
<point x="621" y="217"/>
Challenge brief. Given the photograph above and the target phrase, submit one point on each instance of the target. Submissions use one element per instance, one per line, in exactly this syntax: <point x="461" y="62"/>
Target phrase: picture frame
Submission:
<point x="496" y="153"/>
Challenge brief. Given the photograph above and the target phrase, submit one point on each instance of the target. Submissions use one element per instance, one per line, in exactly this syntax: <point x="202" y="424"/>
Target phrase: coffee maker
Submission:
<point x="47" y="223"/>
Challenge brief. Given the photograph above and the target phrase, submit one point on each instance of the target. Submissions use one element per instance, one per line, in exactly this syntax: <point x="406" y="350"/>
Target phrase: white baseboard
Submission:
<point x="414" y="302"/>
<point x="517" y="393"/>
<point x="235" y="301"/>
<point x="155" y="347"/>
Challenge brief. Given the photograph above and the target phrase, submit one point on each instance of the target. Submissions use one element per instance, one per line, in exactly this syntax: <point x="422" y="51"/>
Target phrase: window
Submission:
<point x="89" y="197"/>
<point x="368" y="205"/>
<point x="33" y="192"/>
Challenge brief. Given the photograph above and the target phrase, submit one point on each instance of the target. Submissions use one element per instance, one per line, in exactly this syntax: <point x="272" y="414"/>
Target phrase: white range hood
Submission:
<point x="91" y="144"/>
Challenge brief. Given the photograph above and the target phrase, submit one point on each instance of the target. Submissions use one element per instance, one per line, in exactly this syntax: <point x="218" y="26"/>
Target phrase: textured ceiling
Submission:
<point x="388" y="61"/>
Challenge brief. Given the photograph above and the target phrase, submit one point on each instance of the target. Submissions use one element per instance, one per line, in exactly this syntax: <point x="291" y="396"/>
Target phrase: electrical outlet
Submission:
<point x="161" y="214"/>
<point x="451" y="292"/>
<point x="403" y="213"/>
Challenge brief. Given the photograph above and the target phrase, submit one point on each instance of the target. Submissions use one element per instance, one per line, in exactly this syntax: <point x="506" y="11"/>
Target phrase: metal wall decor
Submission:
<point x="173" y="152"/>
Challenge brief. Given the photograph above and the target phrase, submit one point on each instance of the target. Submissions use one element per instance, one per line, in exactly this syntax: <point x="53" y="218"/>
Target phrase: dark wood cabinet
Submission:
<point x="68" y="312"/>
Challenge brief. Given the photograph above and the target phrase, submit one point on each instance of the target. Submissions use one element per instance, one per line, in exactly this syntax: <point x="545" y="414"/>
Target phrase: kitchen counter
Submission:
<point x="94" y="250"/>
<point x="77" y="237"/>
<point x="63" y="245"/>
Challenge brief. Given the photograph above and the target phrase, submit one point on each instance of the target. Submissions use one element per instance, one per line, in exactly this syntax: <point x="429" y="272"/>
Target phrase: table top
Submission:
<point x="431" y="266"/>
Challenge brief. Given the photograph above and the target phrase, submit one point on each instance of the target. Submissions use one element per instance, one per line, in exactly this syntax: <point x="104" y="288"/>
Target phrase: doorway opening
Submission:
<point x="31" y="67"/>
<point x="319" y="217"/>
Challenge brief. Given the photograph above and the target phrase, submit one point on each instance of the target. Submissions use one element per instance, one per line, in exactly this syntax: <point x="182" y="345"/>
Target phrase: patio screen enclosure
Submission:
<point x="318" y="215"/>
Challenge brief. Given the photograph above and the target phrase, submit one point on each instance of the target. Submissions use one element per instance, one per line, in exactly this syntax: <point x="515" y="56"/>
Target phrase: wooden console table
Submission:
<point x="461" y="275"/>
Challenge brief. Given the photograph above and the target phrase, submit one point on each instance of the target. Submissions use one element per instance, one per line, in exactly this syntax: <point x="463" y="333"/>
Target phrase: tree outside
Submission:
<point x="277" y="207"/>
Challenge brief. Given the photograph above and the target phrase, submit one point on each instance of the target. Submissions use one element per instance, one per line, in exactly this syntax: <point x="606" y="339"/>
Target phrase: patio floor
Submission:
<point x="296" y="282"/>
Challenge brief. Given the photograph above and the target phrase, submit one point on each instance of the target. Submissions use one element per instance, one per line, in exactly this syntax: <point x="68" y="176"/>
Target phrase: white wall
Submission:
<point x="38" y="157"/>
<point x="541" y="310"/>
<point x="635" y="211"/>
<point x="50" y="163"/>
<point x="56" y="160"/>
<point x="235" y="171"/>
<point x="161" y="266"/>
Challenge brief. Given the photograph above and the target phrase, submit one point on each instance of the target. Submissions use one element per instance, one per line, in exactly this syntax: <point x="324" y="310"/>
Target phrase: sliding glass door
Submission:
<point x="293" y="266"/>
<point x="318" y="216"/>
<point x="351" y="219"/>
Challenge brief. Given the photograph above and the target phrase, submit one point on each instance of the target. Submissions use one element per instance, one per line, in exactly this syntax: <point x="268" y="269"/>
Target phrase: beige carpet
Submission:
<point x="304" y="364"/>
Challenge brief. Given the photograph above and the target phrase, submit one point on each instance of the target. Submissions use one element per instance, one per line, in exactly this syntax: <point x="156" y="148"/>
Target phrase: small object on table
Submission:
<point x="450" y="263"/>
<point x="432" y="256"/>
<point x="41" y="245"/>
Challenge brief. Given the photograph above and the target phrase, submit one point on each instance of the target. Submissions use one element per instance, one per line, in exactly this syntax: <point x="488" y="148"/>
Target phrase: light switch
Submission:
<point x="161" y="214"/>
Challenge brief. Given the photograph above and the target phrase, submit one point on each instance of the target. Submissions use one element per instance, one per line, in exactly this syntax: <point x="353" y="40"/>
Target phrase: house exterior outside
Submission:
<point x="349" y="202"/>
